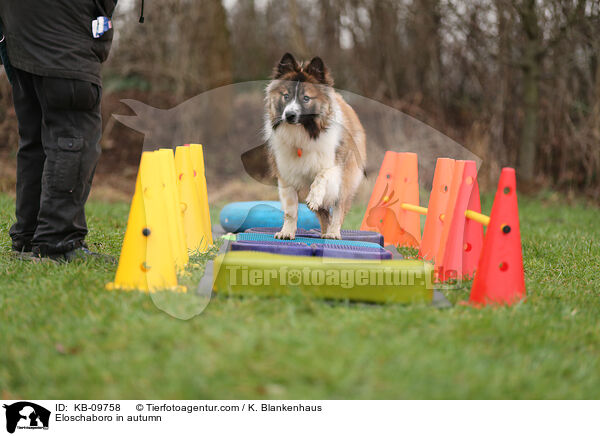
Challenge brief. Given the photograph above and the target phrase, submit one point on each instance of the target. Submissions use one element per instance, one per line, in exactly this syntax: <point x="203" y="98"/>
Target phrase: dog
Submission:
<point x="316" y="145"/>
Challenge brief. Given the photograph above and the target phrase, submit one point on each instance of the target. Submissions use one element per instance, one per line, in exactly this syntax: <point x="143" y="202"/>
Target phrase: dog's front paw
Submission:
<point x="314" y="200"/>
<point x="331" y="235"/>
<point x="284" y="234"/>
<point x="314" y="206"/>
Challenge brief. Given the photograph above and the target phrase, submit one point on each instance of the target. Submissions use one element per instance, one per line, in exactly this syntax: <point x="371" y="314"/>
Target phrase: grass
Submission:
<point x="63" y="336"/>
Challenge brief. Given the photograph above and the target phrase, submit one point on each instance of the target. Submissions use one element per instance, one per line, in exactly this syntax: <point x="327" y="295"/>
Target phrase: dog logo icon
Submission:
<point x="26" y="415"/>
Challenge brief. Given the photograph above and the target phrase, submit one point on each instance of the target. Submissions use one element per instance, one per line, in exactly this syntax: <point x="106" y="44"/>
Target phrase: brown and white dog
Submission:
<point x="316" y="145"/>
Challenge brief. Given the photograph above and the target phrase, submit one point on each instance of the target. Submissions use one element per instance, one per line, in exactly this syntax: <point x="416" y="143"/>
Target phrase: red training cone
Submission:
<point x="500" y="278"/>
<point x="473" y="238"/>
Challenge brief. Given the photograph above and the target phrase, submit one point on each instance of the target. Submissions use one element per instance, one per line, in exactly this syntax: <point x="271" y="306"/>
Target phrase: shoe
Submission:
<point x="20" y="253"/>
<point x="29" y="256"/>
<point x="81" y="254"/>
<point x="21" y="248"/>
<point x="78" y="254"/>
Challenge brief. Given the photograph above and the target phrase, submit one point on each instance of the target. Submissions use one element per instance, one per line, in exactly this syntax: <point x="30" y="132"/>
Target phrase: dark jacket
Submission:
<point x="54" y="37"/>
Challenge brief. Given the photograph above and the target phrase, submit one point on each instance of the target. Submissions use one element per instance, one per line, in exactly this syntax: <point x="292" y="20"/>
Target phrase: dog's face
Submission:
<point x="300" y="95"/>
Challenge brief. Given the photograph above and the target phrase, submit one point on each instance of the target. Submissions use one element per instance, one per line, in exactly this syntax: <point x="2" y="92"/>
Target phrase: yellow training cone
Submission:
<point x="131" y="270"/>
<point x="197" y="155"/>
<point x="146" y="262"/>
<point x="193" y="227"/>
<point x="174" y="216"/>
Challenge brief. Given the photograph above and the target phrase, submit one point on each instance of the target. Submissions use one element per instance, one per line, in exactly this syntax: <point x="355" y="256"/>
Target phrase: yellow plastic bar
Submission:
<point x="413" y="208"/>
<point x="479" y="217"/>
<point x="471" y="214"/>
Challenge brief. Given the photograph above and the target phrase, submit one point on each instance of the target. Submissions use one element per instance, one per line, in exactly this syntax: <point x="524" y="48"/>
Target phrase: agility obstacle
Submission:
<point x="243" y="215"/>
<point x="453" y="236"/>
<point x="312" y="245"/>
<point x="266" y="274"/>
<point x="168" y="219"/>
<point x="347" y="235"/>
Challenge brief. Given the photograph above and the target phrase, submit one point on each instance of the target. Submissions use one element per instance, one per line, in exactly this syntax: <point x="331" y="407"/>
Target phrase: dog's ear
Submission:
<point x="287" y="64"/>
<point x="317" y="69"/>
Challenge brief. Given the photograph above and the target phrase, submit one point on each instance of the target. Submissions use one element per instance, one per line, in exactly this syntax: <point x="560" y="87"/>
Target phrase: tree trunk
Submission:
<point x="330" y="23"/>
<point x="298" y="41"/>
<point x="498" y="153"/>
<point x="528" y="149"/>
<point x="532" y="58"/>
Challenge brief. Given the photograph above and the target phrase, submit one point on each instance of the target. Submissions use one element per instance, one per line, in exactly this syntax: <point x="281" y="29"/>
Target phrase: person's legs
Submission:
<point x="30" y="160"/>
<point x="71" y="131"/>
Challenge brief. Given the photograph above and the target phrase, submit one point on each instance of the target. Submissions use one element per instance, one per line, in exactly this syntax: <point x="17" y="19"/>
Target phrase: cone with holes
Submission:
<point x="173" y="208"/>
<point x="197" y="156"/>
<point x="193" y="222"/>
<point x="473" y="236"/>
<point x="438" y="203"/>
<point x="460" y="252"/>
<point x="397" y="183"/>
<point x="500" y="278"/>
<point x="446" y="217"/>
<point x="146" y="262"/>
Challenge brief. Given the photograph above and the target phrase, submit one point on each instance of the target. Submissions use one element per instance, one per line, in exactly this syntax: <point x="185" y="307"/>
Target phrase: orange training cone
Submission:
<point x="451" y="265"/>
<point x="397" y="183"/>
<point x="197" y="155"/>
<point x="438" y="202"/>
<point x="193" y="227"/>
<point x="446" y="217"/>
<point x="374" y="218"/>
<point x="500" y="278"/>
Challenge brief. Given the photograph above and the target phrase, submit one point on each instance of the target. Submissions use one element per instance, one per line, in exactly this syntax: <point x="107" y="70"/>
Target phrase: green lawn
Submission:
<point x="63" y="336"/>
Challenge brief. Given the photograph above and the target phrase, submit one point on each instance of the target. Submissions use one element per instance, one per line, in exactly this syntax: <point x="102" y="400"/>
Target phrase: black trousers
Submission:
<point x="59" y="145"/>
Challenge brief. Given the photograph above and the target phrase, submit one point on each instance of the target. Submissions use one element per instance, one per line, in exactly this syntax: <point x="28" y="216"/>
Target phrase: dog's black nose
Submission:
<point x="291" y="117"/>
